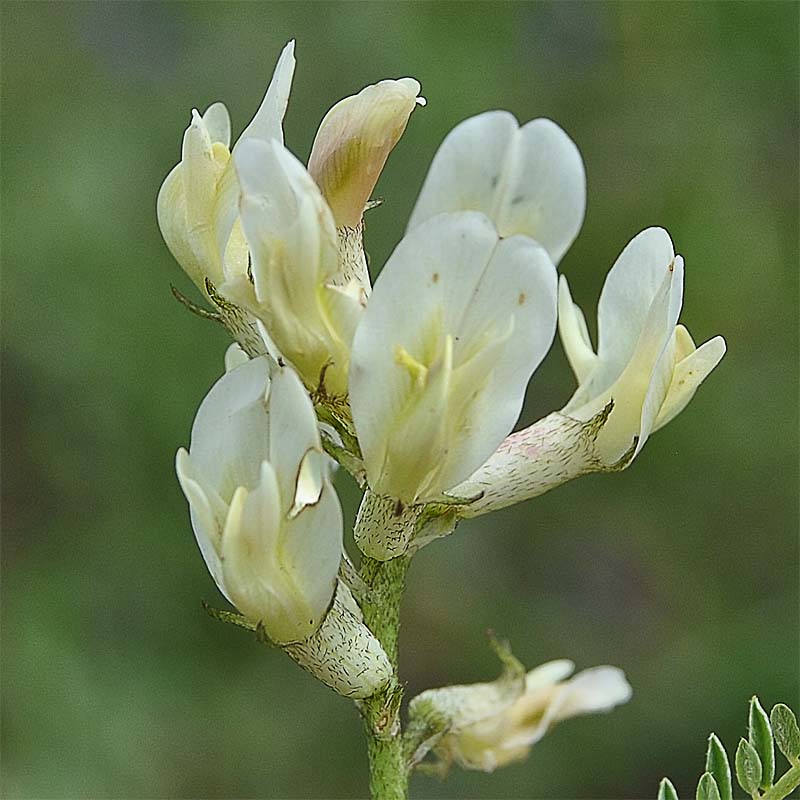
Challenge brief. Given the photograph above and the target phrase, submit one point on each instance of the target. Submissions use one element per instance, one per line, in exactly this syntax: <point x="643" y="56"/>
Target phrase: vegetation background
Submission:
<point x="683" y="570"/>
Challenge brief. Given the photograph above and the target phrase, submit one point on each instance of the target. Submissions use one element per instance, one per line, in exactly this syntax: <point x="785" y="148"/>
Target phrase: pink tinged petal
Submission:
<point x="354" y="141"/>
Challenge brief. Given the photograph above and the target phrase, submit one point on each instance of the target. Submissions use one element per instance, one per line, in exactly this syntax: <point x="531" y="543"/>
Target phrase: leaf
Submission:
<point x="717" y="765"/>
<point x="666" y="791"/>
<point x="786" y="732"/>
<point x="760" y="736"/>
<point x="707" y="788"/>
<point x="748" y="767"/>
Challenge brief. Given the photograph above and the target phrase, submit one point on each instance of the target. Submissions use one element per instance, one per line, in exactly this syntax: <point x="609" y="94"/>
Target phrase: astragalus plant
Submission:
<point x="413" y="386"/>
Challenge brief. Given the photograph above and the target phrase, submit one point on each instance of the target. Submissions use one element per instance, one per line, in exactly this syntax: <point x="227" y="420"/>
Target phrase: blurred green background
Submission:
<point x="682" y="570"/>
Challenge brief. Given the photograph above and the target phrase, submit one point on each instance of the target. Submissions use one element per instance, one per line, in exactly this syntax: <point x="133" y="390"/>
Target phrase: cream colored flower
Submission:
<point x="278" y="244"/>
<point x="269" y="524"/>
<point x="457" y="323"/>
<point x="484" y="726"/>
<point x="464" y="310"/>
<point x="645" y="371"/>
<point x="265" y="515"/>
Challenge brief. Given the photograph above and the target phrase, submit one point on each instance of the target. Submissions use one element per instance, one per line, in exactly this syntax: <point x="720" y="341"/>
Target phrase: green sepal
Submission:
<point x="453" y="500"/>
<point x="231" y="617"/>
<point x="198" y="311"/>
<point x="339" y="421"/>
<point x="718" y="766"/>
<point x="707" y="788"/>
<point x="240" y="621"/>
<point x="666" y="791"/>
<point x="748" y="767"/>
<point x="760" y="736"/>
<point x="341" y="455"/>
<point x="786" y="732"/>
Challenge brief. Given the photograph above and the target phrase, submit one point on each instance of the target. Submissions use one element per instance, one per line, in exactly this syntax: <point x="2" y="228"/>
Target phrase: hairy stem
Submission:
<point x="785" y="786"/>
<point x="388" y="773"/>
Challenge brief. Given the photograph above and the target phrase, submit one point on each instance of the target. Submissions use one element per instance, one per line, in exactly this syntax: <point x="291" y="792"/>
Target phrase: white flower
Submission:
<point x="269" y="524"/>
<point x="645" y="371"/>
<point x="265" y="515"/>
<point x="527" y="179"/>
<point x="645" y="362"/>
<point x="457" y="323"/>
<point x="483" y="726"/>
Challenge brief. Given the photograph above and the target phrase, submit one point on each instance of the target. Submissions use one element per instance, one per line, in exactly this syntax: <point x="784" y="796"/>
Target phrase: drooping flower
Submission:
<point x="457" y="323"/>
<point x="269" y="525"/>
<point x="483" y="726"/>
<point x="645" y="371"/>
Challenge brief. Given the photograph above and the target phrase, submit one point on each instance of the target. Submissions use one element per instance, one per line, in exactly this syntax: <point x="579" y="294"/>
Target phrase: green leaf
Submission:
<point x="786" y="732"/>
<point x="707" y="788"/>
<point x="760" y="736"/>
<point x="666" y="791"/>
<point x="748" y="767"/>
<point x="717" y="765"/>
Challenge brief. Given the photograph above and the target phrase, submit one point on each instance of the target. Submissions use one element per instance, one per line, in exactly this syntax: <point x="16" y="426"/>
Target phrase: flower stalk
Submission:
<point x="387" y="765"/>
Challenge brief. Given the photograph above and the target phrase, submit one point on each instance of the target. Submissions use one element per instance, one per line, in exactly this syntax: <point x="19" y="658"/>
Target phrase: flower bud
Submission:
<point x="353" y="142"/>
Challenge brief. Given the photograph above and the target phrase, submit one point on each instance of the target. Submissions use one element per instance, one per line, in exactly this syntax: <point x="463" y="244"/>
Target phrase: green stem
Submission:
<point x="785" y="786"/>
<point x="388" y="773"/>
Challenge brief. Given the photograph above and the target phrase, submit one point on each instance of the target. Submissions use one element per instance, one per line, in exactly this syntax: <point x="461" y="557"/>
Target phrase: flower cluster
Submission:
<point x="414" y="385"/>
